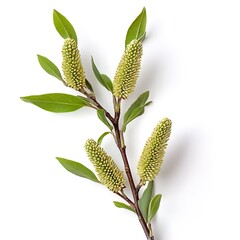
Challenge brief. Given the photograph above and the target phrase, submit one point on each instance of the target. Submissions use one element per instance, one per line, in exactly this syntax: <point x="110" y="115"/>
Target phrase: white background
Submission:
<point x="191" y="65"/>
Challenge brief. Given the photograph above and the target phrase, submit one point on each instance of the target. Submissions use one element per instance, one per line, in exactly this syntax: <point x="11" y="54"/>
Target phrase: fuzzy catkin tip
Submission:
<point x="128" y="70"/>
<point x="107" y="170"/>
<point x="153" y="152"/>
<point x="72" y="66"/>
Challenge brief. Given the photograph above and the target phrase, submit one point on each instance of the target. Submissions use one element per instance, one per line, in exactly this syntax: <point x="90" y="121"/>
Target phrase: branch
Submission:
<point x="122" y="195"/>
<point x="122" y="149"/>
<point x="119" y="138"/>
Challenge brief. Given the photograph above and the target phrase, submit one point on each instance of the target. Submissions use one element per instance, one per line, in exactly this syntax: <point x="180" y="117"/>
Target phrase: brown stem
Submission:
<point x="126" y="199"/>
<point x="122" y="148"/>
<point x="138" y="187"/>
<point x="98" y="105"/>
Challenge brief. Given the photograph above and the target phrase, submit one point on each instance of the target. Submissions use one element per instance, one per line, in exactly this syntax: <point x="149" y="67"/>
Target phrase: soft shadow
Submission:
<point x="175" y="157"/>
<point x="158" y="231"/>
<point x="152" y="76"/>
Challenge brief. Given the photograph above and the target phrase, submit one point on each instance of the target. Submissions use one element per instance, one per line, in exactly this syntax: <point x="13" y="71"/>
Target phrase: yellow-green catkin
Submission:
<point x="128" y="70"/>
<point x="107" y="170"/>
<point x="72" y="66"/>
<point x="153" y="152"/>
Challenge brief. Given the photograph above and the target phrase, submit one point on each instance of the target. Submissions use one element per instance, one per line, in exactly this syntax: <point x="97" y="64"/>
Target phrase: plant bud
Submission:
<point x="153" y="152"/>
<point x="72" y="66"/>
<point x="128" y="70"/>
<point x="107" y="170"/>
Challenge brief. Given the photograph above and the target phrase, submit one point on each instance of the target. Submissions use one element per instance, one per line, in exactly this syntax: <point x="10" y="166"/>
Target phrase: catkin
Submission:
<point x="107" y="170"/>
<point x="72" y="66"/>
<point x="128" y="70"/>
<point x="153" y="152"/>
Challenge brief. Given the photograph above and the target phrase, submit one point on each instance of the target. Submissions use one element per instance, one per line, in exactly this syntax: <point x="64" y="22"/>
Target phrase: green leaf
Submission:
<point x="136" y="109"/>
<point x="123" y="205"/>
<point x="154" y="206"/>
<point x="78" y="169"/>
<point x="89" y="85"/>
<point x="57" y="102"/>
<point x="49" y="67"/>
<point x="107" y="81"/>
<point x="99" y="141"/>
<point x="137" y="30"/>
<point x="102" y="78"/>
<point x="143" y="37"/>
<point x="63" y="26"/>
<point x="134" y="114"/>
<point x="145" y="200"/>
<point x="102" y="117"/>
<point x="140" y="101"/>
